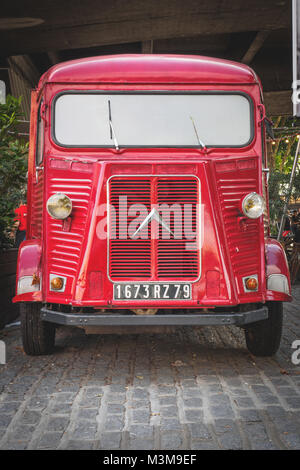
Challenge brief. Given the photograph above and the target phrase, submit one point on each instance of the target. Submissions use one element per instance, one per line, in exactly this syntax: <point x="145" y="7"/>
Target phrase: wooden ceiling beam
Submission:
<point x="255" y="46"/>
<point x="146" y="21"/>
<point x="25" y="68"/>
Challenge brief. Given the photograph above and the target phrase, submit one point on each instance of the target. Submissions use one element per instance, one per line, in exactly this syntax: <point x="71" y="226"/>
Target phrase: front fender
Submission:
<point x="28" y="279"/>
<point x="277" y="272"/>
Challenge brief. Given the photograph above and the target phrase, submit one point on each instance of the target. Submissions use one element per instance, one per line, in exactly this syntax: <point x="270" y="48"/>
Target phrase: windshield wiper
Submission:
<point x="202" y="144"/>
<point x="112" y="131"/>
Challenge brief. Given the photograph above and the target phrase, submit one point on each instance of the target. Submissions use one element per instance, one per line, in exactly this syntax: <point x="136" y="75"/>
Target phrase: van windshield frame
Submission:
<point x="151" y="92"/>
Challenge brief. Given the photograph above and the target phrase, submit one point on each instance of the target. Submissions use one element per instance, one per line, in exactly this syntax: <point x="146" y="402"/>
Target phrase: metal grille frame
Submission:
<point x="199" y="237"/>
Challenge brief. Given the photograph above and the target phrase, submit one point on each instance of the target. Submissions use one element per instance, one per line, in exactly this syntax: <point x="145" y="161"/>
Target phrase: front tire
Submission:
<point x="38" y="336"/>
<point x="263" y="337"/>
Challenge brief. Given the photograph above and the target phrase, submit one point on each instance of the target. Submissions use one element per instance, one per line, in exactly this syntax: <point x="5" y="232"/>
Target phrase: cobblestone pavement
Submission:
<point x="196" y="389"/>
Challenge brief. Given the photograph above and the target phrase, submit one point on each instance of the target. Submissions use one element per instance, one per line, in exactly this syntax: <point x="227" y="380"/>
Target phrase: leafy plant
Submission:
<point x="13" y="168"/>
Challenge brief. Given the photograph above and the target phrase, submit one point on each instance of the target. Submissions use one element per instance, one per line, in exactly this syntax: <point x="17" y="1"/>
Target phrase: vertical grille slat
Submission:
<point x="37" y="207"/>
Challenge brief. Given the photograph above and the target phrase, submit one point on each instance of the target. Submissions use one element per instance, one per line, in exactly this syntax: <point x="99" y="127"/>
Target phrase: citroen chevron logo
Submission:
<point x="154" y="215"/>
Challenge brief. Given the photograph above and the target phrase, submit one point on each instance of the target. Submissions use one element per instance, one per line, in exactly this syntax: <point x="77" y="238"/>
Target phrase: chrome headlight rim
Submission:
<point x="260" y="203"/>
<point x="54" y="199"/>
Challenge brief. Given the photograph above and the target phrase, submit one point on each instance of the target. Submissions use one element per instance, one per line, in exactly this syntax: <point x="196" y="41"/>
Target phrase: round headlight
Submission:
<point x="253" y="205"/>
<point x="59" y="206"/>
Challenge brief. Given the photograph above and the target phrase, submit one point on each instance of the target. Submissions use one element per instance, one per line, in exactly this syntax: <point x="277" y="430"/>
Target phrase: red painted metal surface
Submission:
<point x="231" y="246"/>
<point x="276" y="263"/>
<point x="153" y="68"/>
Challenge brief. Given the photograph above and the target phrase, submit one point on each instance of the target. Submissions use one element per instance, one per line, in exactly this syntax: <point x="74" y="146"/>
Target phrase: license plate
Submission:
<point x="152" y="291"/>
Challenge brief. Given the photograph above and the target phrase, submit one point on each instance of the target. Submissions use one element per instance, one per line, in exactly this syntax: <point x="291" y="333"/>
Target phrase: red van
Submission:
<point x="148" y="202"/>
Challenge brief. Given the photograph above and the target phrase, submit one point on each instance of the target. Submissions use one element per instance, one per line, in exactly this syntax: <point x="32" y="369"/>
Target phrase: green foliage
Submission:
<point x="282" y="166"/>
<point x="13" y="168"/>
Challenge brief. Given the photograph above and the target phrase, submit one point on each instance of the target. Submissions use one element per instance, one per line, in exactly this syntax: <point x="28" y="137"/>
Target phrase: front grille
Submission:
<point x="156" y="254"/>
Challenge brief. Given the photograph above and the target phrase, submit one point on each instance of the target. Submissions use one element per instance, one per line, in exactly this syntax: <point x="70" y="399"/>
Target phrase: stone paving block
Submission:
<point x="268" y="399"/>
<point x="172" y="440"/>
<point x="170" y="424"/>
<point x="293" y="402"/>
<point x="38" y="403"/>
<point x="114" y="423"/>
<point x="133" y="404"/>
<point x="228" y="434"/>
<point x="9" y="407"/>
<point x="193" y="416"/>
<point x="87" y="413"/>
<point x="256" y="433"/>
<point x="140" y="415"/>
<point x="141" y="430"/>
<point x="199" y="431"/>
<point x="292" y="440"/>
<point x="244" y="402"/>
<point x="61" y="408"/>
<point x="118" y="398"/>
<point x="5" y="420"/>
<point x="84" y="430"/>
<point x="116" y="408"/>
<point x="169" y="412"/>
<point x="141" y="444"/>
<point x="64" y="397"/>
<point x="192" y="392"/>
<point x="222" y="411"/>
<point x="58" y="423"/>
<point x="167" y="401"/>
<point x="22" y="432"/>
<point x="140" y="394"/>
<point x="204" y="445"/>
<point x="110" y="440"/>
<point x="15" y="445"/>
<point x="164" y="390"/>
<point x="49" y="440"/>
<point x="79" y="445"/>
<point x="194" y="402"/>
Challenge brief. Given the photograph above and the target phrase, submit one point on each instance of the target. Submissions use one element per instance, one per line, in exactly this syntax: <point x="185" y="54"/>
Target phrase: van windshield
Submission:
<point x="154" y="119"/>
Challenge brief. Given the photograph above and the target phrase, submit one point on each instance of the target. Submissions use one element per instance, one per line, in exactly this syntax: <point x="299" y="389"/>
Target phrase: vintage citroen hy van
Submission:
<point x="148" y="202"/>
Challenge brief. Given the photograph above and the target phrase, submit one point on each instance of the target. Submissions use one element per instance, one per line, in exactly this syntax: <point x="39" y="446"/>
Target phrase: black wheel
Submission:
<point x="38" y="336"/>
<point x="263" y="337"/>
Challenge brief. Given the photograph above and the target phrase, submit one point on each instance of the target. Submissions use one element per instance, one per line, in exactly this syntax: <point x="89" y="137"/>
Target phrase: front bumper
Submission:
<point x="122" y="319"/>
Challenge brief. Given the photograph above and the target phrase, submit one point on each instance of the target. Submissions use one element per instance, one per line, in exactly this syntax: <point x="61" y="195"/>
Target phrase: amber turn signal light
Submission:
<point x="251" y="283"/>
<point x="57" y="283"/>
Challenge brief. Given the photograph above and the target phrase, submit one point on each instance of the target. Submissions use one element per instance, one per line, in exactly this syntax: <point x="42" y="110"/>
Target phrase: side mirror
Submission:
<point x="2" y="92"/>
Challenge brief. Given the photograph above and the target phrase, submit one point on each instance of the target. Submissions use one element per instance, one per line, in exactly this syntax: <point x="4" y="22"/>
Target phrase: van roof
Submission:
<point x="149" y="68"/>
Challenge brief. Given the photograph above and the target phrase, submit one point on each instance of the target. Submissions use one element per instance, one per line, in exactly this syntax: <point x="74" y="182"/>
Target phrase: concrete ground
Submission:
<point x="196" y="389"/>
